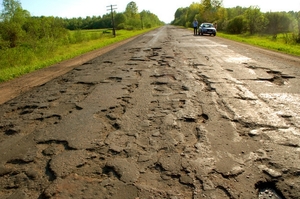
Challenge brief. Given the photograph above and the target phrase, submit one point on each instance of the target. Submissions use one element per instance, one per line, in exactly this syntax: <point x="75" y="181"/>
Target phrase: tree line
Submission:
<point x="239" y="19"/>
<point x="19" y="28"/>
<point x="129" y="19"/>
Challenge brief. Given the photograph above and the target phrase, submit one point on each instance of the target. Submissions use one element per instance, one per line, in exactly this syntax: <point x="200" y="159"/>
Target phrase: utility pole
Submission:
<point x="142" y="23"/>
<point x="112" y="8"/>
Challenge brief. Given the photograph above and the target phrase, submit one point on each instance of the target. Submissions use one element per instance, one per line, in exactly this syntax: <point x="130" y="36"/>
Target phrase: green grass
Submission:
<point x="18" y="61"/>
<point x="283" y="43"/>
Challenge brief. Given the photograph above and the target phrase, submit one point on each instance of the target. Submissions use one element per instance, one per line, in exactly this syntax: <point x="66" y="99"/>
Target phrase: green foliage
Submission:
<point x="134" y="23"/>
<point x="120" y="18"/>
<point x="12" y="33"/>
<point x="296" y="38"/>
<point x="131" y="10"/>
<point x="12" y="19"/>
<point x="238" y="20"/>
<point x="216" y="3"/>
<point x="130" y="19"/>
<point x="236" y="25"/>
<point x="192" y="13"/>
<point x="10" y="8"/>
<point x="297" y="35"/>
<point x="206" y="11"/>
<point x="234" y="12"/>
<point x="149" y="19"/>
<point x="180" y="17"/>
<point x="78" y="37"/>
<point x="4" y="44"/>
<point x="44" y="29"/>
<point x="121" y="26"/>
<point x="17" y="28"/>
<point x="207" y="4"/>
<point x="277" y="22"/>
<point x="256" y="21"/>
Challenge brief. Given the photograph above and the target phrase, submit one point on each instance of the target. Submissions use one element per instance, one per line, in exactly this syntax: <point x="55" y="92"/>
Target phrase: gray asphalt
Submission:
<point x="167" y="115"/>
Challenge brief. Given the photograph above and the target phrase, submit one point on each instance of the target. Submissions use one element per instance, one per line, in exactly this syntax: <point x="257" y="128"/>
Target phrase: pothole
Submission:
<point x="268" y="190"/>
<point x="277" y="79"/>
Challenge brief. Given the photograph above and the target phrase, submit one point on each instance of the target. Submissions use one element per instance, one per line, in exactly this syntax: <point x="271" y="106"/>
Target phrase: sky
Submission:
<point x="164" y="9"/>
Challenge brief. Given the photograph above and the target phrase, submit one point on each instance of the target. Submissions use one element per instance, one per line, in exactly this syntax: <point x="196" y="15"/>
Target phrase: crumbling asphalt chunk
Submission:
<point x="4" y="170"/>
<point x="127" y="170"/>
<point x="171" y="163"/>
<point x="66" y="162"/>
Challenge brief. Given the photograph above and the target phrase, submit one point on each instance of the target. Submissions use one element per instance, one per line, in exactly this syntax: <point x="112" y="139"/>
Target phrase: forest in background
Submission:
<point x="19" y="28"/>
<point x="130" y="19"/>
<point x="240" y="20"/>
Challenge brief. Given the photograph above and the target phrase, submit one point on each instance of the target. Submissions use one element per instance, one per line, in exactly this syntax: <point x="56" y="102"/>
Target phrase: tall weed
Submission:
<point x="13" y="57"/>
<point x="287" y="38"/>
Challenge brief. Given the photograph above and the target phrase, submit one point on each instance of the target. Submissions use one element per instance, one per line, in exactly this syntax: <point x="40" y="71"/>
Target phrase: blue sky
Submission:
<point x="164" y="9"/>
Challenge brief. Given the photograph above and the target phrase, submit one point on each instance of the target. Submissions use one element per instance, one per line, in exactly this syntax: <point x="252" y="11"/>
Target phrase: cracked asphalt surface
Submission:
<point x="167" y="115"/>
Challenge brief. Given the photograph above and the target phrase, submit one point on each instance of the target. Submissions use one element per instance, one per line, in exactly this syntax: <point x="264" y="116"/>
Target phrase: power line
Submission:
<point x="112" y="8"/>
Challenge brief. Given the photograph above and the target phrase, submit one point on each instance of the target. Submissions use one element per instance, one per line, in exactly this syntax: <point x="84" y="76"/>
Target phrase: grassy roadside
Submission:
<point x="280" y="44"/>
<point x="19" y="61"/>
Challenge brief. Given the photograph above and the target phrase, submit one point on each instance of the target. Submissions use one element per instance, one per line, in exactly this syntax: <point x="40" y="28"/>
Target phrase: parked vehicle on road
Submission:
<point x="207" y="28"/>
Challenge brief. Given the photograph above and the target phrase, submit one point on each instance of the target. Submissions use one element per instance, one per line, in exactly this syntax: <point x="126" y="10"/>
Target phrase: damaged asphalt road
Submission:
<point x="167" y="115"/>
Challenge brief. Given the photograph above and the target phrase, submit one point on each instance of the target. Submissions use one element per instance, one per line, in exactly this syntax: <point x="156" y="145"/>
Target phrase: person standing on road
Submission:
<point x="216" y="26"/>
<point x="195" y="25"/>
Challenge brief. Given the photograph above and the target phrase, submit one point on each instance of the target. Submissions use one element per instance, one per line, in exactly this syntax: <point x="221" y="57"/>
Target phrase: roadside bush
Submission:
<point x="42" y="30"/>
<point x="188" y="24"/>
<point x="277" y="22"/>
<point x="94" y="36"/>
<point x="121" y="26"/>
<point x="287" y="38"/>
<point x="134" y="23"/>
<point x="129" y="28"/>
<point x="148" y="26"/>
<point x="78" y="36"/>
<point x="120" y="18"/>
<point x="236" y="25"/>
<point x="12" y="33"/>
<point x="255" y="20"/>
<point x="3" y="44"/>
<point x="19" y="56"/>
<point x="296" y="38"/>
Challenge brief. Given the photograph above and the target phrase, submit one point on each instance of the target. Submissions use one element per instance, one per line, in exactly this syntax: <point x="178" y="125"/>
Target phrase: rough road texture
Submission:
<point x="168" y="115"/>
